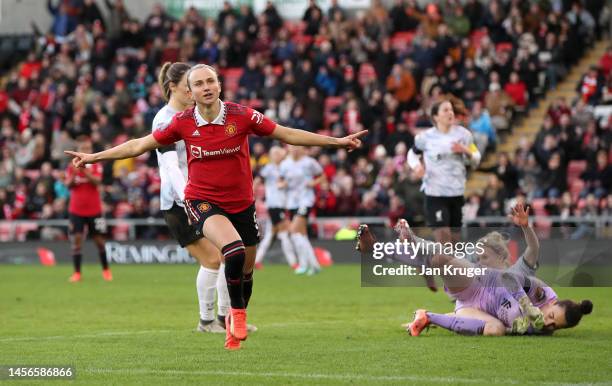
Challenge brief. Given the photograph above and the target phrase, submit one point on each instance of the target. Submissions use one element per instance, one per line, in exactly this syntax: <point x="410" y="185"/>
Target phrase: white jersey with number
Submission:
<point x="298" y="175"/>
<point x="167" y="195"/>
<point x="445" y="171"/>
<point x="275" y="197"/>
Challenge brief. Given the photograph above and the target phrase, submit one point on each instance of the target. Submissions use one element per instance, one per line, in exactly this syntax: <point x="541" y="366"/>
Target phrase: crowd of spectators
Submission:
<point x="334" y="72"/>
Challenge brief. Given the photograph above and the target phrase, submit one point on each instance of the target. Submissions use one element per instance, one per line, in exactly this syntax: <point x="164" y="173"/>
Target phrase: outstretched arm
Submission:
<point x="305" y="138"/>
<point x="520" y="217"/>
<point x="129" y="149"/>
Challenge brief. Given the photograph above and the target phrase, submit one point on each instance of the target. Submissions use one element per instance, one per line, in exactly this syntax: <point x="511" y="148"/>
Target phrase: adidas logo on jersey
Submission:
<point x="196" y="133"/>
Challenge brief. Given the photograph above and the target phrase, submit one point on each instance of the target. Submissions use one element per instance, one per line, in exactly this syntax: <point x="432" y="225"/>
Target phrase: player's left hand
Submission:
<point x="520" y="215"/>
<point x="352" y="142"/>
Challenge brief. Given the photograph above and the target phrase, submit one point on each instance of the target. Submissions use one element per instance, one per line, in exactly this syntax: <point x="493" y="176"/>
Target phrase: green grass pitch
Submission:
<point x="325" y="329"/>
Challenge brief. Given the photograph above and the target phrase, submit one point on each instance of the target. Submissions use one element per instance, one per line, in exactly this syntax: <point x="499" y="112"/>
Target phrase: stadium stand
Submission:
<point x="96" y="76"/>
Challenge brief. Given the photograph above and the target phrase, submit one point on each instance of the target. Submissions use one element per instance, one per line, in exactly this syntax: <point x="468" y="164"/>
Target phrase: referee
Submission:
<point x="446" y="150"/>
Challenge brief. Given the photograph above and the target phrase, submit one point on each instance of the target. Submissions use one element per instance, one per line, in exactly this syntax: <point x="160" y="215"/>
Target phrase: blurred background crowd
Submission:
<point x="333" y="72"/>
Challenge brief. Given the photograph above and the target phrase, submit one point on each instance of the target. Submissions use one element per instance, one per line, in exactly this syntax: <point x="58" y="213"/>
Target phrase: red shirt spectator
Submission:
<point x="31" y="66"/>
<point x="588" y="85"/>
<point x="605" y="63"/>
<point x="517" y="90"/>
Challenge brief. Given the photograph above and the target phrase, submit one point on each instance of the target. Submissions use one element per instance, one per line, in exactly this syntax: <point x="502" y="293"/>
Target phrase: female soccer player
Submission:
<point x="219" y="192"/>
<point x="445" y="149"/>
<point x="85" y="210"/>
<point x="300" y="174"/>
<point x="509" y="299"/>
<point x="276" y="198"/>
<point x="172" y="162"/>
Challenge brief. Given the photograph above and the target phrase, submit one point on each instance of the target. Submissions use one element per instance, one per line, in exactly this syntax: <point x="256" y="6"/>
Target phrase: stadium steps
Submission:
<point x="530" y="125"/>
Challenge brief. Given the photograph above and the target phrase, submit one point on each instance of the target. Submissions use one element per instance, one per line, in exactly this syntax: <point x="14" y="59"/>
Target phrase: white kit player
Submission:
<point x="276" y="198"/>
<point x="300" y="174"/>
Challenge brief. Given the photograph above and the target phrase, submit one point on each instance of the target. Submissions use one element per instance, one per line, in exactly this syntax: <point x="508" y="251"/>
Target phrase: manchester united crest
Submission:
<point x="230" y="129"/>
<point x="204" y="207"/>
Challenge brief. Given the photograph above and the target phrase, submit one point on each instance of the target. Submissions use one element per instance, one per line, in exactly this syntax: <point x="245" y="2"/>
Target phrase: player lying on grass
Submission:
<point x="496" y="303"/>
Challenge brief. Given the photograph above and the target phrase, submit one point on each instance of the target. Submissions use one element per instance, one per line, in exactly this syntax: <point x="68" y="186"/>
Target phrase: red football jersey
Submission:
<point x="85" y="198"/>
<point x="218" y="153"/>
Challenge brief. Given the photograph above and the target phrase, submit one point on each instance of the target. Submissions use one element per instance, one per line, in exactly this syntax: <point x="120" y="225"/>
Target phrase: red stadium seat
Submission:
<point x="21" y="230"/>
<point x="231" y="78"/>
<point x="574" y="170"/>
<point x="122" y="209"/>
<point x="330" y="229"/>
<point x="575" y="187"/>
<point x="331" y="116"/>
<point x="302" y="39"/>
<point x="295" y="27"/>
<point x="32" y="174"/>
<point x="401" y="40"/>
<point x="121" y="231"/>
<point x="6" y="232"/>
<point x="542" y="223"/>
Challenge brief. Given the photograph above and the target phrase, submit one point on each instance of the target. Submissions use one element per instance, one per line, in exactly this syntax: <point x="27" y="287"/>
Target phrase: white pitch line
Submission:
<point x="103" y="334"/>
<point x="311" y="376"/>
<point x="342" y="377"/>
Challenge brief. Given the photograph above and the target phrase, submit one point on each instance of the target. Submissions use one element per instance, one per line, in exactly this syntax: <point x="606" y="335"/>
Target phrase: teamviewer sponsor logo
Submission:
<point x="198" y="152"/>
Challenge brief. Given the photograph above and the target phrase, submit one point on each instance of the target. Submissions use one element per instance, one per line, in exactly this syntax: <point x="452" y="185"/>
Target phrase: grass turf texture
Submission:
<point x="324" y="329"/>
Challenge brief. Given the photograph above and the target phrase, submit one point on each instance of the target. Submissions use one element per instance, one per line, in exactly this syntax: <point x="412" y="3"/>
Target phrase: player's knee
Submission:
<point x="494" y="328"/>
<point x="233" y="249"/>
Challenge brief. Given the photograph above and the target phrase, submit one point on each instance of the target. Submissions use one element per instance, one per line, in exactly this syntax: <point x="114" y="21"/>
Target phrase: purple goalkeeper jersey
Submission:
<point x="488" y="293"/>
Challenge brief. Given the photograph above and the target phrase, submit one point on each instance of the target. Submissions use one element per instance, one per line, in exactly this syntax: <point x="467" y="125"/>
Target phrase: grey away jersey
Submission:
<point x="298" y="174"/>
<point x="167" y="194"/>
<point x="445" y="171"/>
<point x="275" y="197"/>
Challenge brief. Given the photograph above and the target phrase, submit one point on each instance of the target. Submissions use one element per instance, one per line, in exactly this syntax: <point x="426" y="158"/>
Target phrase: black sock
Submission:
<point x="205" y="322"/>
<point x="76" y="260"/>
<point x="247" y="287"/>
<point x="234" y="263"/>
<point x="103" y="260"/>
<point x="221" y="319"/>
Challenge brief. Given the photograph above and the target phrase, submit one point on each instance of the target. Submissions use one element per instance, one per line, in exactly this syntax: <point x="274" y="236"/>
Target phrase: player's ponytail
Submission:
<point x="171" y="73"/>
<point x="575" y="311"/>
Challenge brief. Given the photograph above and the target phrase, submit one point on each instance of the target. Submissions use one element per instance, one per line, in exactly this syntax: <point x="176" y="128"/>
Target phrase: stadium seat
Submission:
<point x="6" y="231"/>
<point x="330" y="115"/>
<point x="121" y="231"/>
<point x="295" y="27"/>
<point x="575" y="187"/>
<point x="32" y="174"/>
<point x="574" y="170"/>
<point x="330" y="229"/>
<point x="231" y="78"/>
<point x="401" y="40"/>
<point x="302" y="39"/>
<point x="21" y="230"/>
<point x="542" y="223"/>
<point x="122" y="210"/>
